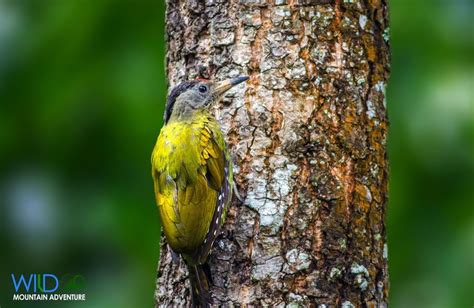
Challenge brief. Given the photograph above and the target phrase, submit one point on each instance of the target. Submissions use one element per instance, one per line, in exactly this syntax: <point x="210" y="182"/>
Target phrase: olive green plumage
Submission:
<point x="188" y="171"/>
<point x="192" y="174"/>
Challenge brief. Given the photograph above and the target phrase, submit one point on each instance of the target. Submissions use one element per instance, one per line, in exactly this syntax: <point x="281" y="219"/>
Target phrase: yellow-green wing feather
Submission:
<point x="190" y="168"/>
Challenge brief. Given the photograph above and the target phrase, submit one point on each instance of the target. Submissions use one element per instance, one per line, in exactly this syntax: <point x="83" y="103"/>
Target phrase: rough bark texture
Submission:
<point x="308" y="137"/>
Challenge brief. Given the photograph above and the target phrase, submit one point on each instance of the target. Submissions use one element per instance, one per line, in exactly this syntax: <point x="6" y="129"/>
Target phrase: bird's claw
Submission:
<point x="236" y="193"/>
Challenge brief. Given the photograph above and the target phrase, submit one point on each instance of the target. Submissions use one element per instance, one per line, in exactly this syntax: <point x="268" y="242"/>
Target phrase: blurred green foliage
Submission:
<point x="431" y="111"/>
<point x="82" y="89"/>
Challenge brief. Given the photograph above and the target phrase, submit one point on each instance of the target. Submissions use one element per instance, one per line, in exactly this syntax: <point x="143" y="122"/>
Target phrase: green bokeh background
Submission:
<point x="82" y="89"/>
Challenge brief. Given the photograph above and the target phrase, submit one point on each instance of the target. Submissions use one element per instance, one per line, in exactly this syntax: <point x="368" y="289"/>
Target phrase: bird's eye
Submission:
<point x="202" y="89"/>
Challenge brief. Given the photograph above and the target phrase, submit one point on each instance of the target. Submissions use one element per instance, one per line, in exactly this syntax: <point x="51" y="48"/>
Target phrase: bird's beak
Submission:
<point x="225" y="85"/>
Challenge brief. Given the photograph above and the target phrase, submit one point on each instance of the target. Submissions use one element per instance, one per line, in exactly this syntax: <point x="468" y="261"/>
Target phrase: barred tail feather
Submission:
<point x="200" y="285"/>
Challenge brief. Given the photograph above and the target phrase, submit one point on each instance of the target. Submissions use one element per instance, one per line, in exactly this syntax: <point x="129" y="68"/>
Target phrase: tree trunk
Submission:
<point x="308" y="137"/>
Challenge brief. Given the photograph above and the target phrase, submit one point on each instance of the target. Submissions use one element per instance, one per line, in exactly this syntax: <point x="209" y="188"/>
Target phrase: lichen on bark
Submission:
<point x="308" y="139"/>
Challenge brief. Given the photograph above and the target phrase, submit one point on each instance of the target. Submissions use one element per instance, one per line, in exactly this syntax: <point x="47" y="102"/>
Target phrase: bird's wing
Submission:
<point x="191" y="175"/>
<point x="218" y="165"/>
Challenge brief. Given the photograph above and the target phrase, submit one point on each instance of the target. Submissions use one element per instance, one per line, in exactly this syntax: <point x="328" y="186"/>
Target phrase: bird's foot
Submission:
<point x="174" y="256"/>
<point x="236" y="193"/>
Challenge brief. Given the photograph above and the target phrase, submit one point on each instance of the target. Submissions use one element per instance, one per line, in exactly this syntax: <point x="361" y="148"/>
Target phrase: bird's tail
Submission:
<point x="200" y="285"/>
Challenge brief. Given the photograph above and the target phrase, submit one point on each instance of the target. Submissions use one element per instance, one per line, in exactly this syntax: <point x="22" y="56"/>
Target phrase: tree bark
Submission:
<point x="308" y="137"/>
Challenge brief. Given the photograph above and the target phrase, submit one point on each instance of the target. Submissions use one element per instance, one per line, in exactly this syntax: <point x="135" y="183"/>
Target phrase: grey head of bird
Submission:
<point x="189" y="96"/>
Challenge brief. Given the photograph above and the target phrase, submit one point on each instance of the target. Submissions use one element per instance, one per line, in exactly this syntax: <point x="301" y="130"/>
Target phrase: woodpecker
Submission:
<point x="193" y="179"/>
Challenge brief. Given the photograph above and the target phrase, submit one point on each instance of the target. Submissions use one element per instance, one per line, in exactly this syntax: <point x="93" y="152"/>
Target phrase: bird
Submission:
<point x="192" y="173"/>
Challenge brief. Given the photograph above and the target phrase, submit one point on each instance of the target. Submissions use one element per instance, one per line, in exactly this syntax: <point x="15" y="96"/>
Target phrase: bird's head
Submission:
<point x="189" y="96"/>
